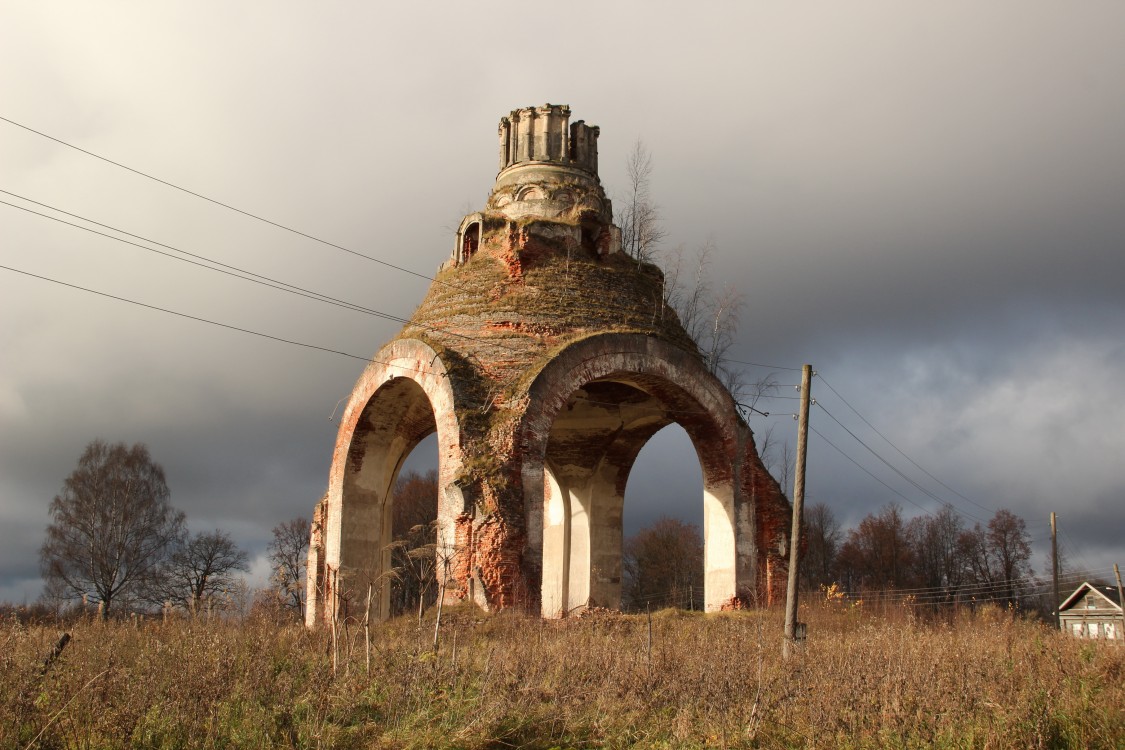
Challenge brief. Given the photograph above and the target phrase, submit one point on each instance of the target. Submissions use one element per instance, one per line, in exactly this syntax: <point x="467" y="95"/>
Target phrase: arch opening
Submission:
<point x="591" y="450"/>
<point x="394" y="421"/>
<point x="662" y="524"/>
<point x="414" y="511"/>
<point x="591" y="232"/>
<point x="470" y="241"/>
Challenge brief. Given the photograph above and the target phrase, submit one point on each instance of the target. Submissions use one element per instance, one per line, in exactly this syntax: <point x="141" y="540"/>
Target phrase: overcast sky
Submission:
<point x="924" y="201"/>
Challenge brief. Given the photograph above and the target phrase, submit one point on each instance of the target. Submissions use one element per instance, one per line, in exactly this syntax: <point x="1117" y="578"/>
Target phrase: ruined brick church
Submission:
<point x="544" y="358"/>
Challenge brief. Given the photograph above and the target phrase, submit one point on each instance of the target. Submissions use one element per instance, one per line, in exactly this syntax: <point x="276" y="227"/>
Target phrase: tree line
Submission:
<point x="936" y="558"/>
<point x="936" y="555"/>
<point x="932" y="559"/>
<point x="115" y="541"/>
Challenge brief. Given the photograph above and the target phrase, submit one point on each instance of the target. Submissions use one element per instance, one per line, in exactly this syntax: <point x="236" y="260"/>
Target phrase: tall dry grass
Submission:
<point x="985" y="680"/>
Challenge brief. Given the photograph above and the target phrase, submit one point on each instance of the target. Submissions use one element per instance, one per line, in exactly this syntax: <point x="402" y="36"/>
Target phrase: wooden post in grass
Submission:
<point x="1120" y="597"/>
<point x="367" y="631"/>
<point x="790" y="640"/>
<point x="1055" y="570"/>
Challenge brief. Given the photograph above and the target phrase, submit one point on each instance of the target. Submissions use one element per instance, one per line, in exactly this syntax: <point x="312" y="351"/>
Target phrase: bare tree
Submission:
<point x="777" y="457"/>
<point x="787" y="463"/>
<point x="939" y="560"/>
<point x="974" y="548"/>
<point x="823" y="537"/>
<point x="639" y="218"/>
<point x="724" y="317"/>
<point x="687" y="291"/>
<point x="761" y="388"/>
<point x="288" y="553"/>
<point x="200" y="566"/>
<point x="998" y="556"/>
<point x="1011" y="549"/>
<point x="710" y="318"/>
<point x="111" y="526"/>
<point x="663" y="566"/>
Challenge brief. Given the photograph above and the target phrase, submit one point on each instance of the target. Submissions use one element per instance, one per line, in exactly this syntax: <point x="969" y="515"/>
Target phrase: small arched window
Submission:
<point x="469" y="241"/>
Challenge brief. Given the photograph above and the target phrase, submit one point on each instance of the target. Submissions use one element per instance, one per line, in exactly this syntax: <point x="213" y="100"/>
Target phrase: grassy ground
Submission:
<point x="863" y="681"/>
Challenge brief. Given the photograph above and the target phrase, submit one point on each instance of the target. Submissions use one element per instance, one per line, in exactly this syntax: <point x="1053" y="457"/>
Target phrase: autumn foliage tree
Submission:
<point x="663" y="566"/>
<point x="934" y="555"/>
<point x="877" y="553"/>
<point x="111" y="526"/>
<point x="413" y="552"/>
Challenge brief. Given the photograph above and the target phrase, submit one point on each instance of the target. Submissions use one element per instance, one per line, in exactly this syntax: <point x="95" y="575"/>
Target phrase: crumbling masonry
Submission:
<point x="544" y="359"/>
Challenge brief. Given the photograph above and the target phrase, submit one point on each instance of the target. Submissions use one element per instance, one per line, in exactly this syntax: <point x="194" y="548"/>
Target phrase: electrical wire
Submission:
<point x="900" y="452"/>
<point x="979" y="592"/>
<point x="218" y="267"/>
<point x="228" y="206"/>
<point x="272" y="337"/>
<point x="896" y="470"/>
<point x="766" y="367"/>
<point x="1075" y="555"/>
<point x="866" y="471"/>
<point x="233" y="271"/>
<point x="194" y="317"/>
<point x="283" y="286"/>
<point x="978" y="586"/>
<point x="975" y="592"/>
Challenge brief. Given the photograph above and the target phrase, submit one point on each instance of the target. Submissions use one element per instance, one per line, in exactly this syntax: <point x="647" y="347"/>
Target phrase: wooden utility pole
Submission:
<point x="1055" y="569"/>
<point x="790" y="640"/>
<point x="1120" y="598"/>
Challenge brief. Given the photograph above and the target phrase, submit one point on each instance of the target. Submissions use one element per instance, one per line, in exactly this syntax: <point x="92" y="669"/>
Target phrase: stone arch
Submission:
<point x="531" y="193"/>
<point x="469" y="237"/>
<point x="403" y="396"/>
<point x="591" y="410"/>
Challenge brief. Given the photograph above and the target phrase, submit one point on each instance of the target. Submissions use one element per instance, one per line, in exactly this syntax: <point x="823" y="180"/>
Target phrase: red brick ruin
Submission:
<point x="544" y="358"/>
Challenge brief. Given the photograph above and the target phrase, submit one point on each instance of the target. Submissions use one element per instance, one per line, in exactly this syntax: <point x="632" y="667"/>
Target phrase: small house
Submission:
<point x="1092" y="612"/>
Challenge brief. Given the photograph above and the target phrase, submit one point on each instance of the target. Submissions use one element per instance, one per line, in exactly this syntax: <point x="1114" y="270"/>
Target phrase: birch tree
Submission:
<point x="111" y="526"/>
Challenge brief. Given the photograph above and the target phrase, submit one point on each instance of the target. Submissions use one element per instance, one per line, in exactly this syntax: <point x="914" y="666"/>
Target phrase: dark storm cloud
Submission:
<point x="924" y="203"/>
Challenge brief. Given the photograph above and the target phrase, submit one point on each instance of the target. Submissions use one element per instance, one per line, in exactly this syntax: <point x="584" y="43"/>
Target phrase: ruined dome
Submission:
<point x="543" y="358"/>
<point x="548" y="167"/>
<point x="541" y="265"/>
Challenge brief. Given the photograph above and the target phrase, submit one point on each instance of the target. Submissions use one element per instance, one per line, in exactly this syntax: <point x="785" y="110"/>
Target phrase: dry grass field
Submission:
<point x="982" y="680"/>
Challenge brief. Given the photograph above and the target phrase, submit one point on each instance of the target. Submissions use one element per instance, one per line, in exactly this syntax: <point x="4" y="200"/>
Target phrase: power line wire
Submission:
<point x="228" y="206"/>
<point x="757" y="364"/>
<point x="900" y="452"/>
<point x="866" y="471"/>
<point x="1030" y="587"/>
<point x="895" y="469"/>
<point x="248" y="214"/>
<point x="233" y="271"/>
<point x="1076" y="555"/>
<point x="250" y="276"/>
<point x="270" y="336"/>
<point x="977" y="586"/>
<point x="195" y="318"/>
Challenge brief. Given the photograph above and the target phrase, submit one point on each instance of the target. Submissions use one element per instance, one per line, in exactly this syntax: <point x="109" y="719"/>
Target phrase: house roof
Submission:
<point x="1109" y="592"/>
